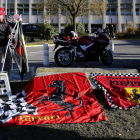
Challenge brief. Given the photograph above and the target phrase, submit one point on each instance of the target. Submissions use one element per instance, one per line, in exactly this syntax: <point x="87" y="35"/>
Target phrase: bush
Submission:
<point x="27" y="39"/>
<point x="80" y="29"/>
<point x="46" y="31"/>
<point x="123" y="34"/>
<point x="128" y="33"/>
<point x="131" y="30"/>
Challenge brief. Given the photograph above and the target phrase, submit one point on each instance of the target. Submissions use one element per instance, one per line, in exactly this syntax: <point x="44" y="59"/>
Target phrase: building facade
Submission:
<point x="119" y="13"/>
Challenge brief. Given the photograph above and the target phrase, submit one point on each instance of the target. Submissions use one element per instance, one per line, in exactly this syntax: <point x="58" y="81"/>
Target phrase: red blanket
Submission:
<point x="120" y="90"/>
<point x="60" y="98"/>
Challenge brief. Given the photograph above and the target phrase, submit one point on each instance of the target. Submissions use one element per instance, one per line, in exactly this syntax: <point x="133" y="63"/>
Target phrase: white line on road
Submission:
<point x="38" y="52"/>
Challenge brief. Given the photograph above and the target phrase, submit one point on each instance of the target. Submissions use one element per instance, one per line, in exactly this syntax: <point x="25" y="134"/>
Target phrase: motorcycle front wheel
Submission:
<point x="106" y="57"/>
<point x="63" y="57"/>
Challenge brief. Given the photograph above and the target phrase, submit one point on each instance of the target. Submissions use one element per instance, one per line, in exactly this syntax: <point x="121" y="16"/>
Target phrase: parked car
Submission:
<point x="30" y="28"/>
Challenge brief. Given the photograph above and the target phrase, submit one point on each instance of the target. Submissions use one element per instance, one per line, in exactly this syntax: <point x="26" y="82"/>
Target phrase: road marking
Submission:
<point x="38" y="52"/>
<point x="50" y="45"/>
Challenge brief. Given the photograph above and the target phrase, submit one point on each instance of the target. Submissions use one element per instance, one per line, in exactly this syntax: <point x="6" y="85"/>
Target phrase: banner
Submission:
<point x="59" y="98"/>
<point x="121" y="90"/>
<point x="18" y="51"/>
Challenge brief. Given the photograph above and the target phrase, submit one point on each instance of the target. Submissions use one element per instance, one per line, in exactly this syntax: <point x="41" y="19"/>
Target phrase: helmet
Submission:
<point x="73" y="35"/>
<point x="2" y="13"/>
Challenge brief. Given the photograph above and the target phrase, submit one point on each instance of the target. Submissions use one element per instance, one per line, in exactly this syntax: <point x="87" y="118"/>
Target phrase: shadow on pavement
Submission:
<point x="47" y="132"/>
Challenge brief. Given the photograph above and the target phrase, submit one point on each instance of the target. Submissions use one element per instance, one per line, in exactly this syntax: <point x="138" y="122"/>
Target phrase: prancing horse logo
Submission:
<point x="137" y="96"/>
<point x="59" y="98"/>
<point x="133" y="95"/>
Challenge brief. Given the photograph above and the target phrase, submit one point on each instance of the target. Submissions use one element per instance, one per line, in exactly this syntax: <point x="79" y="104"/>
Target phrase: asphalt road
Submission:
<point x="126" y="55"/>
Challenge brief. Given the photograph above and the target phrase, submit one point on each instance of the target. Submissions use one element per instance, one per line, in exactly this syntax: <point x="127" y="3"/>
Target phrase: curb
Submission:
<point x="55" y="70"/>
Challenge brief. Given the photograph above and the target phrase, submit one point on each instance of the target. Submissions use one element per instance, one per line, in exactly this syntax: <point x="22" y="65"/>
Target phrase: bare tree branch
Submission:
<point x="74" y="8"/>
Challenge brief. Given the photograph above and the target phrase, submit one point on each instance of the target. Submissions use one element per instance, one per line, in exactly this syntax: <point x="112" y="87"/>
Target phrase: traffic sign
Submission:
<point x="16" y="17"/>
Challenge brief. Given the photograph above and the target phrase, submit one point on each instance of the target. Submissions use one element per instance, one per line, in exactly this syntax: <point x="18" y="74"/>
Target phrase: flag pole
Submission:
<point x="8" y="46"/>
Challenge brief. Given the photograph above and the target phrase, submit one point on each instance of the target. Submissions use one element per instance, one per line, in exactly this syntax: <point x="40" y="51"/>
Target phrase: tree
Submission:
<point x="46" y="31"/>
<point x="72" y="8"/>
<point x="80" y="28"/>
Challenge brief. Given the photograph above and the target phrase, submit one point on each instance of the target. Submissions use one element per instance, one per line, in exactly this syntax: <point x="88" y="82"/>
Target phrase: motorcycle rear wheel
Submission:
<point x="63" y="57"/>
<point x="106" y="57"/>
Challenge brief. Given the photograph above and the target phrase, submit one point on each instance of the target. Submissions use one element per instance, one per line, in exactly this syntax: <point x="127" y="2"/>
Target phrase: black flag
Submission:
<point x="18" y="51"/>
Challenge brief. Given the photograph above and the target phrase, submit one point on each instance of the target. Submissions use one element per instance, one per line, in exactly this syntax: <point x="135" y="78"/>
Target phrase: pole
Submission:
<point x="111" y="46"/>
<point x="46" y="55"/>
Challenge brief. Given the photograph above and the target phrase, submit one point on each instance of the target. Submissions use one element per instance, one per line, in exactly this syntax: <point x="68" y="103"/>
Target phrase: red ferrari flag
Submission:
<point x="120" y="90"/>
<point x="59" y="98"/>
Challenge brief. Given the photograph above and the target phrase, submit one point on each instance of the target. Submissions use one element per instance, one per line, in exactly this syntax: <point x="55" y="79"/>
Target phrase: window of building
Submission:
<point x="63" y="24"/>
<point x="111" y="5"/>
<point x="33" y="5"/>
<point x="137" y="5"/>
<point x="10" y="12"/>
<point x="111" y="11"/>
<point x="23" y="9"/>
<point x="20" y="11"/>
<point x="126" y="5"/>
<point x="64" y="13"/>
<point x="55" y="25"/>
<point x="26" y="12"/>
<point x="62" y="31"/>
<point x="137" y="11"/>
<point x="126" y="11"/>
<point x="34" y="12"/>
<point x="20" y="5"/>
<point x="40" y="12"/>
<point x="10" y="5"/>
<point x="26" y="5"/>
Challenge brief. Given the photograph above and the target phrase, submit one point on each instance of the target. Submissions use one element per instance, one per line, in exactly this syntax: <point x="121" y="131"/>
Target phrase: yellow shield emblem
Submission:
<point x="133" y="95"/>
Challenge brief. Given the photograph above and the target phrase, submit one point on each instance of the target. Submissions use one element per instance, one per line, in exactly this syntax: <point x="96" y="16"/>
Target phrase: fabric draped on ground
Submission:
<point x="59" y="98"/>
<point x="121" y="90"/>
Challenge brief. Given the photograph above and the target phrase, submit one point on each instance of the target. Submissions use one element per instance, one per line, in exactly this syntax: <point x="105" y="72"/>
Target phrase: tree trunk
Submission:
<point x="74" y="23"/>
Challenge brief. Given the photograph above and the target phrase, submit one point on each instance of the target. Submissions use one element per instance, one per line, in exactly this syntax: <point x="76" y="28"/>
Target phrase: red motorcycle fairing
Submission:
<point x="86" y="40"/>
<point x="66" y="38"/>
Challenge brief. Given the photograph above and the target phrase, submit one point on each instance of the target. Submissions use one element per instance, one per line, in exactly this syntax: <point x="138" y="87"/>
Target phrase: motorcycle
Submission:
<point x="87" y="48"/>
